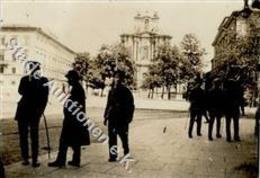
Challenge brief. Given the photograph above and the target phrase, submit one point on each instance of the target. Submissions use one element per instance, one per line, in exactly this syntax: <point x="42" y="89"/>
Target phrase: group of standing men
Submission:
<point x="34" y="91"/>
<point x="223" y="99"/>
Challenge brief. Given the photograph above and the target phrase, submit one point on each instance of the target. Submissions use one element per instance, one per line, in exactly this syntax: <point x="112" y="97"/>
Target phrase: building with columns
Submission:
<point x="143" y="42"/>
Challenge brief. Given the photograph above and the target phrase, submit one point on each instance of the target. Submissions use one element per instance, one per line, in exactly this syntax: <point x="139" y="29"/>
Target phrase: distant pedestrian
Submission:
<point x="232" y="105"/>
<point x="216" y="102"/>
<point x="197" y="106"/>
<point x="119" y="114"/>
<point x="73" y="134"/>
<point x="30" y="109"/>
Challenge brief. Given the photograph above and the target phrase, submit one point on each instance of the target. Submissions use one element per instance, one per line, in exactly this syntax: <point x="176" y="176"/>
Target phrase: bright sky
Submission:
<point x="85" y="26"/>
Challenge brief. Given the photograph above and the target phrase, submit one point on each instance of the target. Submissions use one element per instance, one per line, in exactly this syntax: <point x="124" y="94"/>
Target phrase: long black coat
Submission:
<point x="34" y="98"/>
<point x="73" y="132"/>
<point x="120" y="106"/>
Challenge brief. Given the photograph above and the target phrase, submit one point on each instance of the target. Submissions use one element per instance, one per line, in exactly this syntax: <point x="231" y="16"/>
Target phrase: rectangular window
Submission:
<point x="3" y="41"/>
<point x="2" y="57"/>
<point x="13" y="70"/>
<point x="1" y="69"/>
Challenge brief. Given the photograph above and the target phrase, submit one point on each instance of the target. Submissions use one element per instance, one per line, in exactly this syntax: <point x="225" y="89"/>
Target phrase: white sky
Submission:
<point x="85" y="26"/>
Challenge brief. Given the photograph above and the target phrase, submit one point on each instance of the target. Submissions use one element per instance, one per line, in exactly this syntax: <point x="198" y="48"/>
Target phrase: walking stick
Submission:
<point x="48" y="147"/>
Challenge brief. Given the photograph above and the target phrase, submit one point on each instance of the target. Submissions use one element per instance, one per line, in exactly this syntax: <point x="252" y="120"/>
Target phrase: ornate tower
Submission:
<point x="142" y="43"/>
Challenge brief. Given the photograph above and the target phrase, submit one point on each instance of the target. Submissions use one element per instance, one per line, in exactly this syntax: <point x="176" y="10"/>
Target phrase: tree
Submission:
<point x="115" y="57"/>
<point x="165" y="70"/>
<point x="81" y="64"/>
<point x="193" y="53"/>
<point x="238" y="59"/>
<point x="152" y="80"/>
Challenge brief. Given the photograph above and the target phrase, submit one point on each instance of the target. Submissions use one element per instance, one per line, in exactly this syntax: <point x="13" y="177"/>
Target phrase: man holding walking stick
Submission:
<point x="30" y="109"/>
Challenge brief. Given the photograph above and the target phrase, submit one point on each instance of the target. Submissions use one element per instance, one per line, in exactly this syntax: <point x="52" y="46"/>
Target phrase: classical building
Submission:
<point x="239" y="22"/>
<point x="143" y="42"/>
<point x="55" y="58"/>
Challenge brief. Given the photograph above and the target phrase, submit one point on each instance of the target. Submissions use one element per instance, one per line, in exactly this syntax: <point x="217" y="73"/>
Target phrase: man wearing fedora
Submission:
<point x="74" y="134"/>
<point x="118" y="113"/>
<point x="29" y="110"/>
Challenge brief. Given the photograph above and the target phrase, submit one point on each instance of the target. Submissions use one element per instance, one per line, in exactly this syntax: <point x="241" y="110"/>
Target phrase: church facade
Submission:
<point x="143" y="42"/>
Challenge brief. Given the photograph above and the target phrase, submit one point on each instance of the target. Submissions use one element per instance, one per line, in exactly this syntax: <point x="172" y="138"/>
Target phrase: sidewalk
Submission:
<point x="161" y="148"/>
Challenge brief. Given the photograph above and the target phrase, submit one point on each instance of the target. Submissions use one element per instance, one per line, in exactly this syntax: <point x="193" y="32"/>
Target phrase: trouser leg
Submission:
<point x="112" y="141"/>
<point x="62" y="154"/>
<point x="34" y="131"/>
<point x="199" y="117"/>
<point x="218" y="125"/>
<point x="236" y="127"/>
<point x="210" y="127"/>
<point x="76" y="154"/>
<point x="192" y="120"/>
<point x="2" y="171"/>
<point x="123" y="134"/>
<point x="228" y="132"/>
<point x="23" y="136"/>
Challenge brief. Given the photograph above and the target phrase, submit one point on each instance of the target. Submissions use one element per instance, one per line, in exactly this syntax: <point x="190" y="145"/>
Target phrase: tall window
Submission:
<point x="2" y="56"/>
<point x="13" y="70"/>
<point x="1" y="69"/>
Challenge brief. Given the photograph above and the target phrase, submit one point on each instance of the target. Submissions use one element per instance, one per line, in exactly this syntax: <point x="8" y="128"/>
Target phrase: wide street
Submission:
<point x="160" y="148"/>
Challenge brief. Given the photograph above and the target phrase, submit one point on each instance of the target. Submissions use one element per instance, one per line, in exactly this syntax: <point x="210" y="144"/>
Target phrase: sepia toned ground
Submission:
<point x="160" y="148"/>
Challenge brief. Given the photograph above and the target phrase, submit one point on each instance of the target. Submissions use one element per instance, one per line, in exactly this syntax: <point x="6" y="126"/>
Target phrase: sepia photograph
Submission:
<point x="129" y="89"/>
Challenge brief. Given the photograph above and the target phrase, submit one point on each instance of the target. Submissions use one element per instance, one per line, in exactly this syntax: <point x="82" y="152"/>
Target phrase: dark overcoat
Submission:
<point x="120" y="106"/>
<point x="74" y="133"/>
<point x="34" y="98"/>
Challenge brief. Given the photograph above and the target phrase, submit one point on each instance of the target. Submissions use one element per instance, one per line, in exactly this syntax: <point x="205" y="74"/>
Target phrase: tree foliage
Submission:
<point x="237" y="59"/>
<point x="112" y="58"/>
<point x="168" y="68"/>
<point x="192" y="52"/>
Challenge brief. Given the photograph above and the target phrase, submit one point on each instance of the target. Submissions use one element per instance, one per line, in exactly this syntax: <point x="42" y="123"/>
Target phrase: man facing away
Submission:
<point x="215" y="101"/>
<point x="197" y="106"/>
<point x="118" y="113"/>
<point x="232" y="103"/>
<point x="29" y="110"/>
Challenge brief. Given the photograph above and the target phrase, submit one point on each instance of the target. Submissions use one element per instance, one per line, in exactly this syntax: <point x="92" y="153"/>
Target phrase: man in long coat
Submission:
<point x="119" y="113"/>
<point x="29" y="110"/>
<point x="74" y="134"/>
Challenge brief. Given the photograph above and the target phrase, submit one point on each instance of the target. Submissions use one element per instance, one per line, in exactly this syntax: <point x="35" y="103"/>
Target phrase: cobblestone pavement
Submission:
<point x="160" y="148"/>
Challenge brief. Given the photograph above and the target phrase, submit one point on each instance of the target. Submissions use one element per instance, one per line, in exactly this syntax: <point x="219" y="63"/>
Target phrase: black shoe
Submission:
<point x="72" y="163"/>
<point x="190" y="136"/>
<point x="199" y="134"/>
<point x="237" y="139"/>
<point x="228" y="139"/>
<point x="56" y="164"/>
<point x="35" y="164"/>
<point x="210" y="139"/>
<point x="218" y="135"/>
<point x="112" y="160"/>
<point x="25" y="163"/>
